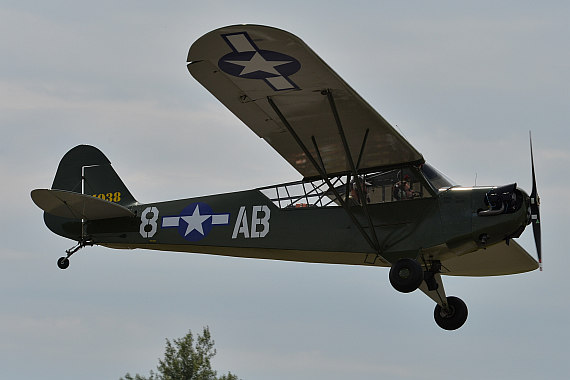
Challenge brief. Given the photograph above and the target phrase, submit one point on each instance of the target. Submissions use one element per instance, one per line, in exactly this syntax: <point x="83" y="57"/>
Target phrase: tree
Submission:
<point x="186" y="359"/>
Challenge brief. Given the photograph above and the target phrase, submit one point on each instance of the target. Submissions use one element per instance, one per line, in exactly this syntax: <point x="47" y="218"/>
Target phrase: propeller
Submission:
<point x="535" y="209"/>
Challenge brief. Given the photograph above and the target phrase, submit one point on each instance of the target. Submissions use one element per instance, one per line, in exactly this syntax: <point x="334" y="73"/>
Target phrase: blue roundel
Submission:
<point x="258" y="64"/>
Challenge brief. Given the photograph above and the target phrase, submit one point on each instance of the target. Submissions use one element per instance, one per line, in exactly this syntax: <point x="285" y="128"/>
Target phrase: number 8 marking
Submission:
<point x="148" y="222"/>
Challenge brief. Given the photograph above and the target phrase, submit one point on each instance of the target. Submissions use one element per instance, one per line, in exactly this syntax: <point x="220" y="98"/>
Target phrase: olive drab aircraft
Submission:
<point x="366" y="197"/>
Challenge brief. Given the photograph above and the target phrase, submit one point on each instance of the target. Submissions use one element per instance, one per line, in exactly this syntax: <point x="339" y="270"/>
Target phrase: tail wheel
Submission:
<point x="452" y="318"/>
<point x="406" y="275"/>
<point x="63" y="262"/>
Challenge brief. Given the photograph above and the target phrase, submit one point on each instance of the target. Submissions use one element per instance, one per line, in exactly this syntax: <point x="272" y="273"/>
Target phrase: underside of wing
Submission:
<point x="287" y="95"/>
<point x="73" y="205"/>
<point x="496" y="260"/>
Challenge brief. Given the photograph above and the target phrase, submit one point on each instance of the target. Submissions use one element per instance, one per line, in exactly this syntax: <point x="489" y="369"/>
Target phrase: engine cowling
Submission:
<point x="502" y="200"/>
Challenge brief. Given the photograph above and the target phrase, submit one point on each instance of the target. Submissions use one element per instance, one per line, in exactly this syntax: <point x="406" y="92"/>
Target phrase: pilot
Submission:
<point x="403" y="189"/>
<point x="354" y="191"/>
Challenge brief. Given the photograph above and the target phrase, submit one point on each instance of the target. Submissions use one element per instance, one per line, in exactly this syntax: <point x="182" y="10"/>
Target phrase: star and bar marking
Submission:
<point x="248" y="61"/>
<point x="195" y="221"/>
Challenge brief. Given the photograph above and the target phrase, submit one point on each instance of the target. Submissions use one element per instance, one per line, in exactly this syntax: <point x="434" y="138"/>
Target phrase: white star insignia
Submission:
<point x="195" y="221"/>
<point x="258" y="63"/>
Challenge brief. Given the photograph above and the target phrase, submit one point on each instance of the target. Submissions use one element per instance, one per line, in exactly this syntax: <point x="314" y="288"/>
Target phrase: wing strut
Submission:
<point x="347" y="191"/>
<point x="353" y="168"/>
<point x="362" y="148"/>
<point x="322" y="172"/>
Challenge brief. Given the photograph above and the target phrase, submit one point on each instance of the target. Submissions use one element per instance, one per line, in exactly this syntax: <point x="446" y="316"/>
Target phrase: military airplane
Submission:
<point x="367" y="196"/>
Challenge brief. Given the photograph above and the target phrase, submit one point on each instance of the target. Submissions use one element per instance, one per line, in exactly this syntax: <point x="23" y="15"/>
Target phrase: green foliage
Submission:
<point x="186" y="359"/>
<point x="139" y="377"/>
<point x="229" y="376"/>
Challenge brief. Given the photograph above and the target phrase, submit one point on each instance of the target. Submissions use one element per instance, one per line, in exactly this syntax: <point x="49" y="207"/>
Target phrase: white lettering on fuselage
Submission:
<point x="242" y="226"/>
<point x="149" y="218"/>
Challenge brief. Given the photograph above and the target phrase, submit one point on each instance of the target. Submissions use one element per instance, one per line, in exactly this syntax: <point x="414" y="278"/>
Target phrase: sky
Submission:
<point x="464" y="83"/>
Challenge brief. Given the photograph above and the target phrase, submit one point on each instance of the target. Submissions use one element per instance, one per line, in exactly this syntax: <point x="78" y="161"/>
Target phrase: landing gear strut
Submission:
<point x="407" y="275"/>
<point x="63" y="262"/>
<point x="450" y="312"/>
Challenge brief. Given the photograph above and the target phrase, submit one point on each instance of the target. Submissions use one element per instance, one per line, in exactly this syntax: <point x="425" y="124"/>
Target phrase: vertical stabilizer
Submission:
<point x="86" y="170"/>
<point x="100" y="179"/>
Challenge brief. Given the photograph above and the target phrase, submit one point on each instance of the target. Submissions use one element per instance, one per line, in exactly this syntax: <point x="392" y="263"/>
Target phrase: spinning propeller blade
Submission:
<point x="535" y="209"/>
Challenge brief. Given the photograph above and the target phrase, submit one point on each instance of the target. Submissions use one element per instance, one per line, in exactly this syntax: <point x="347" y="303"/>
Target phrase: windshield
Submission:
<point x="437" y="179"/>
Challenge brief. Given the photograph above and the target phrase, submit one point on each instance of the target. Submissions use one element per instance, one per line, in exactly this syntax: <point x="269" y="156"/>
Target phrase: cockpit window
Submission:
<point x="392" y="185"/>
<point x="389" y="186"/>
<point x="437" y="180"/>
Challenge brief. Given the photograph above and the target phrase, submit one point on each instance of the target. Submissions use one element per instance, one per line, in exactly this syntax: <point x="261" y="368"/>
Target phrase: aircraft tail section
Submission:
<point x="86" y="170"/>
<point x="83" y="170"/>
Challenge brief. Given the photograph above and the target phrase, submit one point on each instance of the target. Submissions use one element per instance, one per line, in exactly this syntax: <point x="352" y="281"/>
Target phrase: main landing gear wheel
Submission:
<point x="63" y="262"/>
<point x="406" y="275"/>
<point x="454" y="317"/>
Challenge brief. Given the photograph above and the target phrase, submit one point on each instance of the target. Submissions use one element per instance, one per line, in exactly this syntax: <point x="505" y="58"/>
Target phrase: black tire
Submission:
<point x="63" y="263"/>
<point x="456" y="316"/>
<point x="406" y="275"/>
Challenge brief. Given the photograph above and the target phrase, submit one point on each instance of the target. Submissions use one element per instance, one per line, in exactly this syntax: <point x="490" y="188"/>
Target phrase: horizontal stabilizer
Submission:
<point x="73" y="205"/>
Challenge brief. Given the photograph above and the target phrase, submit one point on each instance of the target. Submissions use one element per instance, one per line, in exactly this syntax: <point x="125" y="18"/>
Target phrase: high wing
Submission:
<point x="290" y="97"/>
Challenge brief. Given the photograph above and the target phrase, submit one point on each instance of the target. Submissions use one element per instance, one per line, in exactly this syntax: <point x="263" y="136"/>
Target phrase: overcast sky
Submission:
<point x="463" y="83"/>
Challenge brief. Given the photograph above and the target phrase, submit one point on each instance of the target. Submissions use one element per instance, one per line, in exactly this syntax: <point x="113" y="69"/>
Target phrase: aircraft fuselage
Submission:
<point x="248" y="224"/>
